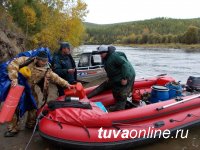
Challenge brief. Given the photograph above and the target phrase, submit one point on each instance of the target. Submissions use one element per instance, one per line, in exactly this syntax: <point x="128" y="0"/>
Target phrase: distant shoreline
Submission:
<point x="192" y="47"/>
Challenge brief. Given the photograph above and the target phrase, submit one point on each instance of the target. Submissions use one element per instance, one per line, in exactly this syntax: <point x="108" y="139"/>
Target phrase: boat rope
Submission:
<point x="60" y="125"/>
<point x="35" y="127"/>
<point x="173" y="120"/>
<point x="87" y="131"/>
<point x="34" y="130"/>
<point x="187" y="116"/>
<point x="114" y="125"/>
<point x="195" y="116"/>
<point x="49" y="118"/>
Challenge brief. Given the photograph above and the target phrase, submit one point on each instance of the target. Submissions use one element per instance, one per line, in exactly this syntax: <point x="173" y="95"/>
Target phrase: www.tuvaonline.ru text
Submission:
<point x="142" y="133"/>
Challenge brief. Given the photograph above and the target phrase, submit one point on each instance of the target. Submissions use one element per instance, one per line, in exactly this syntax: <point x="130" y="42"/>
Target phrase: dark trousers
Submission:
<point x="120" y="93"/>
<point x="60" y="90"/>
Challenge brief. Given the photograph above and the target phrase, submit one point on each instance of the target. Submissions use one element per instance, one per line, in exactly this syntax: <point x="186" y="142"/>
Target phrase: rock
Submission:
<point x="10" y="45"/>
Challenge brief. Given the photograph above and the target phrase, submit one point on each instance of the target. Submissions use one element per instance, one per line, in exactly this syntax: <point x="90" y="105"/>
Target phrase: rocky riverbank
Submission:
<point x="10" y="44"/>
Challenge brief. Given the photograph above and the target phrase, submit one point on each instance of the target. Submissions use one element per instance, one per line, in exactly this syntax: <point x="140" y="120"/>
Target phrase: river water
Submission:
<point x="177" y="63"/>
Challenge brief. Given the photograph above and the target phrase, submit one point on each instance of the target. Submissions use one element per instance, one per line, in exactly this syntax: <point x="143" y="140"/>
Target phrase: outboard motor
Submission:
<point x="193" y="84"/>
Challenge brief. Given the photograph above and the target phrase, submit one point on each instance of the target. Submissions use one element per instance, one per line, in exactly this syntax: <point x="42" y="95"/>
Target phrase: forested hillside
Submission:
<point x="44" y="22"/>
<point x="153" y="31"/>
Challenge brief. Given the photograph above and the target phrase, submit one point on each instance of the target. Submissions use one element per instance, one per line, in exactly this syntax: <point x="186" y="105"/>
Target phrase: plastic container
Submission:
<point x="159" y="93"/>
<point x="78" y="91"/>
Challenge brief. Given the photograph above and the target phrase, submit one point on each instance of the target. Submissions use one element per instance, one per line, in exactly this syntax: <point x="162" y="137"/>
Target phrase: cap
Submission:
<point x="42" y="55"/>
<point x="64" y="45"/>
<point x="102" y="49"/>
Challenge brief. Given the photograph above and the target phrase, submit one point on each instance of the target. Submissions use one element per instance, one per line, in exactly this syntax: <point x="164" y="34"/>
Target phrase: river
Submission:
<point x="177" y="63"/>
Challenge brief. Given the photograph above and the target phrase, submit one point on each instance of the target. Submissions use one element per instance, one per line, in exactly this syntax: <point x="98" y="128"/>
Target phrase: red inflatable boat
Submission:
<point x="95" y="128"/>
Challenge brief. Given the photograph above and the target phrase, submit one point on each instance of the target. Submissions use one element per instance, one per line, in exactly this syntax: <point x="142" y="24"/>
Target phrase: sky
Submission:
<point x="115" y="11"/>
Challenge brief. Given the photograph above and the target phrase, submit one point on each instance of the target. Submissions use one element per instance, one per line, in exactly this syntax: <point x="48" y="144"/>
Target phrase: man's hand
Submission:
<point x="14" y="83"/>
<point x="69" y="86"/>
<point x="124" y="82"/>
<point x="71" y="71"/>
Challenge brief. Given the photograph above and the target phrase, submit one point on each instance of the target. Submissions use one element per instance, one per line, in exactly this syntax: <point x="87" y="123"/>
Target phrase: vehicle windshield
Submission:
<point x="88" y="59"/>
<point x="96" y="60"/>
<point x="84" y="60"/>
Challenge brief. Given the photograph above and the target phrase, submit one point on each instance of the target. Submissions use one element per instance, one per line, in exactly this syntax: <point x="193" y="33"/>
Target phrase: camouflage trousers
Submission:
<point x="14" y="124"/>
<point x="120" y="93"/>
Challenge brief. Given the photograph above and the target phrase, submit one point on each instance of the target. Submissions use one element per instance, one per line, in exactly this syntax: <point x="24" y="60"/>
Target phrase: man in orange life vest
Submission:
<point x="40" y="69"/>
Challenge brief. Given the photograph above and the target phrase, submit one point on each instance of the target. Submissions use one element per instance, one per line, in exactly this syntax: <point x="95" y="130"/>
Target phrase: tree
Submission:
<point x="30" y="17"/>
<point x="47" y="22"/>
<point x="61" y="24"/>
<point x="158" y="30"/>
<point x="191" y="36"/>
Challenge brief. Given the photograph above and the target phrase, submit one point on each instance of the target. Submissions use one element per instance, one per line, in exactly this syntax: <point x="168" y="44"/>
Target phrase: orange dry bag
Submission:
<point x="11" y="103"/>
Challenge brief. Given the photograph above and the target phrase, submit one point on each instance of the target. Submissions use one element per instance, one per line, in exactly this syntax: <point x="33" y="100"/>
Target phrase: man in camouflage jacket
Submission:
<point x="39" y="70"/>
